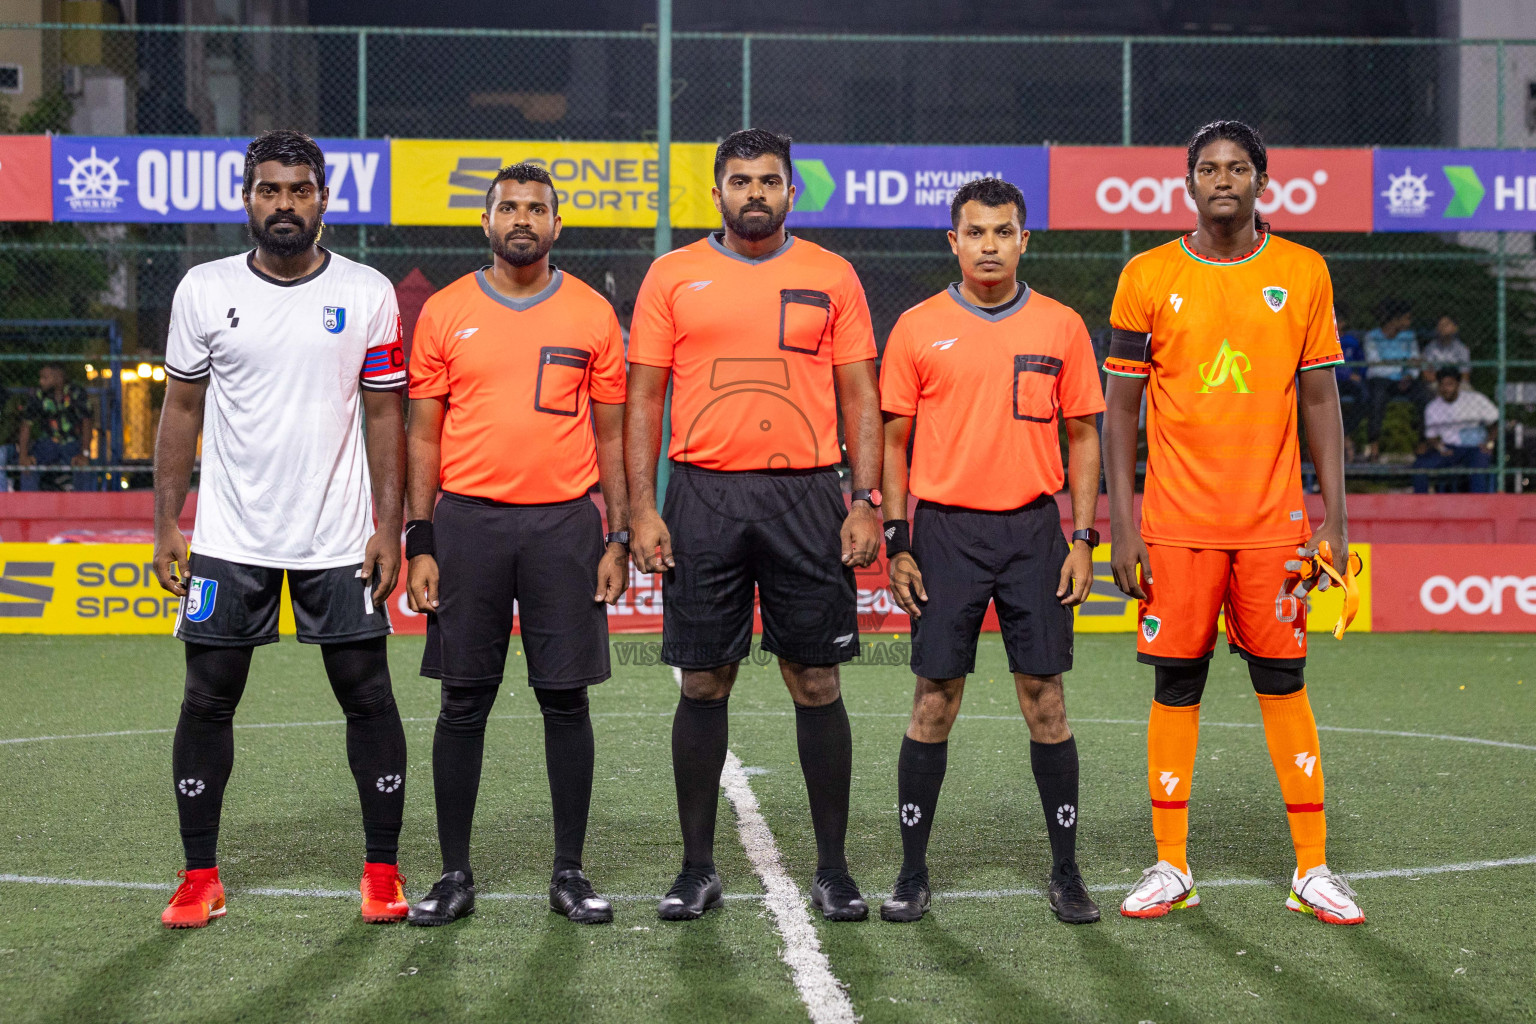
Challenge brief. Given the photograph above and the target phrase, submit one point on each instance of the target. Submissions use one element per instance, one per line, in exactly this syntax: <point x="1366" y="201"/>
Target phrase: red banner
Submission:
<point x="1455" y="588"/>
<point x="1142" y="188"/>
<point x="26" y="191"/>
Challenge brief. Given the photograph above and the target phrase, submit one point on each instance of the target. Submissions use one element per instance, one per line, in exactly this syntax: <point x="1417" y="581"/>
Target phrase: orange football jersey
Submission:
<point x="1220" y="344"/>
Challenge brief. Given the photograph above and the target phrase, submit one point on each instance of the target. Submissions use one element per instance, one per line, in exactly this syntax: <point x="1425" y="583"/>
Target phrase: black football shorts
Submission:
<point x="232" y="604"/>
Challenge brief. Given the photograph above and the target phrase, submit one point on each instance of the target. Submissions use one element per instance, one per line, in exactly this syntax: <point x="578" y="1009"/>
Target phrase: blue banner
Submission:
<point x="907" y="186"/>
<point x="1455" y="190"/>
<point x="182" y="180"/>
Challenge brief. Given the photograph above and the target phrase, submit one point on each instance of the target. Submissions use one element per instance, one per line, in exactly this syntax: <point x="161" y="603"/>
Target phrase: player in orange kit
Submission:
<point x="1221" y="329"/>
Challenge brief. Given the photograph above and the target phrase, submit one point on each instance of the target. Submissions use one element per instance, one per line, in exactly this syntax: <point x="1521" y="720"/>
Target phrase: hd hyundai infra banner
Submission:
<point x="908" y="186"/>
<point x="178" y="180"/>
<point x="1142" y="188"/>
<point x="1455" y="190"/>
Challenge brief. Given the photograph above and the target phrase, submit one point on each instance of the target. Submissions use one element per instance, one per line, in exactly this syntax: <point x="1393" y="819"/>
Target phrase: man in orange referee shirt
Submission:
<point x="761" y="334"/>
<point x="988" y="366"/>
<point x="513" y="370"/>
<point x="1224" y="329"/>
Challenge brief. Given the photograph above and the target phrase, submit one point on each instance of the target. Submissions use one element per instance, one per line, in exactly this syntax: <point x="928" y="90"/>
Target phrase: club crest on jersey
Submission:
<point x="1149" y="627"/>
<point x="335" y="318"/>
<point x="1274" y="297"/>
<point x="201" y="594"/>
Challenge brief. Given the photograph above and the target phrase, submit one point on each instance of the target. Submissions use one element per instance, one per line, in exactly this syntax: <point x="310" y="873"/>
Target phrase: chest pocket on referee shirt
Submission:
<point x="561" y="373"/>
<point x="805" y="315"/>
<point x="1034" y="388"/>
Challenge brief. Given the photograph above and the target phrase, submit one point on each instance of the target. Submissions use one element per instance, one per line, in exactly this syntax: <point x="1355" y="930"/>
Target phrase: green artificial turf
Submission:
<point x="1436" y="947"/>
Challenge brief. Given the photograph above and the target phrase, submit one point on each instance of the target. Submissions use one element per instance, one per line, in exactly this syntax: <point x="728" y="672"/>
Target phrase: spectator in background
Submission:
<point x="1353" y="397"/>
<point x="1446" y="349"/>
<point x="1456" y="423"/>
<point x="1392" y="350"/>
<point x="56" y="428"/>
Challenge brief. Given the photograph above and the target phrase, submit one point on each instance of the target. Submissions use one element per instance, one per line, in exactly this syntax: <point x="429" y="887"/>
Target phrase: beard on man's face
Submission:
<point x="750" y="224"/>
<point x="523" y="255"/>
<point x="284" y="244"/>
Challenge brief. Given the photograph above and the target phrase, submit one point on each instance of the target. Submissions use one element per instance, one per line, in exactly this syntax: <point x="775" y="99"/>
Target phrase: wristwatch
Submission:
<point x="617" y="537"/>
<point x="1089" y="536"/>
<point x="871" y="495"/>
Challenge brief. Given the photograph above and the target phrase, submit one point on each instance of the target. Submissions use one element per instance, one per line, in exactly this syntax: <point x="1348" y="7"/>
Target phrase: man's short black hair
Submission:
<point x="54" y="366"/>
<point x="1390" y="309"/>
<point x="523" y="173"/>
<point x="987" y="192"/>
<point x="1447" y="371"/>
<point x="289" y="148"/>
<point x="751" y="143"/>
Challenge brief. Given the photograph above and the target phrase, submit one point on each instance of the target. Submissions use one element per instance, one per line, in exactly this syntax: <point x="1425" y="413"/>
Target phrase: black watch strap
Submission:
<point x="1089" y="536"/>
<point x="617" y="537"/>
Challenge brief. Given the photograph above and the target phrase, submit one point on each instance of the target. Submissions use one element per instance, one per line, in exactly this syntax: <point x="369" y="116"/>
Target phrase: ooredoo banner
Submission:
<point x="24" y="190"/>
<point x="178" y="180"/>
<point x="1456" y="588"/>
<point x="1142" y="188"/>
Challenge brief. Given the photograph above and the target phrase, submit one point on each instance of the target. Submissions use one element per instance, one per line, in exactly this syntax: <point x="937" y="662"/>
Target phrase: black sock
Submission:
<point x="458" y="747"/>
<point x="700" y="734"/>
<point x="359" y="675"/>
<point x="826" y="760"/>
<point x="1055" y="766"/>
<point x="568" y="756"/>
<point x="203" y="752"/>
<point x="919" y="776"/>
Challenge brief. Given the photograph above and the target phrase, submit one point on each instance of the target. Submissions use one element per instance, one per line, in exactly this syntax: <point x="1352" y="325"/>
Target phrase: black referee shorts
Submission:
<point x="544" y="558"/>
<point x="233" y="604"/>
<point x="779" y="532"/>
<point x="1013" y="558"/>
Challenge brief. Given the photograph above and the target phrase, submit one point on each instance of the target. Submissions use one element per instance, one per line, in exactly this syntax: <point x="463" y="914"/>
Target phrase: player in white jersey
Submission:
<point x="289" y="360"/>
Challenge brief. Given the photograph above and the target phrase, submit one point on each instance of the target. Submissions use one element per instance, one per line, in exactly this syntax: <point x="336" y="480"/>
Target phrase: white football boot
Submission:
<point x="1162" y="888"/>
<point x="1325" y="894"/>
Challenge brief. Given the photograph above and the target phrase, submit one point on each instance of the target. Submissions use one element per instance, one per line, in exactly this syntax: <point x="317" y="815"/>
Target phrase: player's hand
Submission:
<point x="421" y="584"/>
<point x="861" y="535"/>
<point x="1076" y="575"/>
<point x="907" y="584"/>
<point x="612" y="574"/>
<point x="171" y="560"/>
<point x="383" y="554"/>
<point x="650" y="542"/>
<point x="1128" y="553"/>
<point x="1339" y="546"/>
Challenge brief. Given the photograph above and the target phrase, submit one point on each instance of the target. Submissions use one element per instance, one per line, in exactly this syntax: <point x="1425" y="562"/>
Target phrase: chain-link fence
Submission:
<point x="486" y="84"/>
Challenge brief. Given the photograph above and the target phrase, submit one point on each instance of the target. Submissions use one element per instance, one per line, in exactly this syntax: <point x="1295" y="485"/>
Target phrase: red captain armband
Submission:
<point x="384" y="367"/>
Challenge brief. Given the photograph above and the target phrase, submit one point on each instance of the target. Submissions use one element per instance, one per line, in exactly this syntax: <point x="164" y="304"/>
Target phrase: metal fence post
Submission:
<point x="663" y="240"/>
<point x="362" y="124"/>
<point x="746" y="81"/>
<point x="1125" y="126"/>
<point x="1500" y="452"/>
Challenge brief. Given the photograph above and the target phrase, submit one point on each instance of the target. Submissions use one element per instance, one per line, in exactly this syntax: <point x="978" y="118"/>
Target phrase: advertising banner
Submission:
<point x="1141" y="188"/>
<point x="1455" y="190"/>
<point x="25" y="191"/>
<point x="180" y="180"/>
<point x="111" y="588"/>
<point x="1456" y="588"/>
<point x="907" y="186"/>
<point x="600" y="184"/>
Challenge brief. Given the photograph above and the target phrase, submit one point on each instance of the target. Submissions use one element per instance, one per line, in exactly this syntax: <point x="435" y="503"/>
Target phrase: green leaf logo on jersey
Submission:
<point x="1149" y="627"/>
<point x="1227" y="363"/>
<point x="1274" y="297"/>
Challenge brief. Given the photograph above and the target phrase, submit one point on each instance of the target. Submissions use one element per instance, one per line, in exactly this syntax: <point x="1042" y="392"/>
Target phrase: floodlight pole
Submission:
<point x="663" y="241"/>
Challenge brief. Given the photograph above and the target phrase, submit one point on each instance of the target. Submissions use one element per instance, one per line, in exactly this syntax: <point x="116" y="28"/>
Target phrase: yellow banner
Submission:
<point x="600" y="184"/>
<point x="1109" y="611"/>
<point x="90" y="588"/>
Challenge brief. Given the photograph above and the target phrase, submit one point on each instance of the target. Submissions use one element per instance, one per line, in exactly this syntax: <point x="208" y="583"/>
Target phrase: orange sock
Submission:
<point x="1172" y="736"/>
<point x="1291" y="733"/>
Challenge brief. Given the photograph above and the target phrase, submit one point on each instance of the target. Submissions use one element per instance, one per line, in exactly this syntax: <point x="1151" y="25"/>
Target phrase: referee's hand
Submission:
<point x="612" y="574"/>
<point x="861" y="535"/>
<point x="907" y="584"/>
<point x="650" y="542"/>
<point x="421" y="584"/>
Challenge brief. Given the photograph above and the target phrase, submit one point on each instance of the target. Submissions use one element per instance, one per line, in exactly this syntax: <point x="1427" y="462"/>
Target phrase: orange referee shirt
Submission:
<point x="518" y="375"/>
<point x="987" y="388"/>
<point x="1220" y="344"/>
<point x="751" y="344"/>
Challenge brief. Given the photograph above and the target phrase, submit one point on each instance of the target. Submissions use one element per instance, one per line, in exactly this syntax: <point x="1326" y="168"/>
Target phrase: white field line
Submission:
<point x="784" y="714"/>
<point x="961" y="894"/>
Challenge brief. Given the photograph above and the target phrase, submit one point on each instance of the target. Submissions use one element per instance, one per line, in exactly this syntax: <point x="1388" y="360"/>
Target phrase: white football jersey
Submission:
<point x="285" y="473"/>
